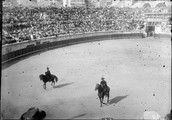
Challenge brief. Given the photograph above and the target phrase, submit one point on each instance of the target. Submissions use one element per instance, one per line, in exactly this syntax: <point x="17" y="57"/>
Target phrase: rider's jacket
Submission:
<point x="48" y="73"/>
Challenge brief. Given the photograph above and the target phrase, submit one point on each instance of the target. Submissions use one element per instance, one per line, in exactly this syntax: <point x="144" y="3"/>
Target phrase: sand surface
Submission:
<point x="138" y="72"/>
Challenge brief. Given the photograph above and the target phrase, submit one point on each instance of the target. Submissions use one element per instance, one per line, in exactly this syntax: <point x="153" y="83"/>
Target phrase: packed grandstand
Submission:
<point x="22" y="23"/>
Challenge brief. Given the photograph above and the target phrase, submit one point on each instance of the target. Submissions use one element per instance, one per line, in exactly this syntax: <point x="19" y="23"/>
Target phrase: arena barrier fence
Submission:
<point x="162" y="35"/>
<point x="16" y="50"/>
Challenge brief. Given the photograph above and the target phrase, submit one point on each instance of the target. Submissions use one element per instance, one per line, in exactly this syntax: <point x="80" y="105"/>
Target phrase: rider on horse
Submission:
<point x="103" y="84"/>
<point x="48" y="73"/>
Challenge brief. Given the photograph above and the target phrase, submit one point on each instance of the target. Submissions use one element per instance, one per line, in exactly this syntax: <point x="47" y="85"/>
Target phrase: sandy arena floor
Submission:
<point x="138" y="72"/>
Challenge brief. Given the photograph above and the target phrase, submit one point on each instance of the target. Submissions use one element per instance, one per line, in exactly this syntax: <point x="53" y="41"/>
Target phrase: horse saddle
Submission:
<point x="49" y="77"/>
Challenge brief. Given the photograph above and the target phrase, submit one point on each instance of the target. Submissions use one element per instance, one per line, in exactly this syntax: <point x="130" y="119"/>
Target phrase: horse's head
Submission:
<point x="97" y="86"/>
<point x="41" y="76"/>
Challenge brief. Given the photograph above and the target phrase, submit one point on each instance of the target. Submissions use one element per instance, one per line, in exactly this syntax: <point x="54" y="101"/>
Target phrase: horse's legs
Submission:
<point x="53" y="83"/>
<point x="102" y="98"/>
<point x="44" y="85"/>
<point x="100" y="101"/>
<point x="107" y="97"/>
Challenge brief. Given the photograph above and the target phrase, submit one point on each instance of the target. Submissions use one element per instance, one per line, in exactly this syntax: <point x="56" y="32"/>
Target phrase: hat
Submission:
<point x="102" y="78"/>
<point x="47" y="67"/>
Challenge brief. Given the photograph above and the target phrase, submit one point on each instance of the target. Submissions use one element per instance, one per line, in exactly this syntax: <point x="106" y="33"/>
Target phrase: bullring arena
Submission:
<point x="136" y="70"/>
<point x="127" y="42"/>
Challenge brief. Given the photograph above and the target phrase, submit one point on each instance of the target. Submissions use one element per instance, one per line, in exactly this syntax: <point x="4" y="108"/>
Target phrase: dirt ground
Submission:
<point x="138" y="72"/>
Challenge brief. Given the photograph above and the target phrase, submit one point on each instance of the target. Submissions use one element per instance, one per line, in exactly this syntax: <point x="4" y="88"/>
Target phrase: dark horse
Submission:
<point x="102" y="93"/>
<point x="44" y="78"/>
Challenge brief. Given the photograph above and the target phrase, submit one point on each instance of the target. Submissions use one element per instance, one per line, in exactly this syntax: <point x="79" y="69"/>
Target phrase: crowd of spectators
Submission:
<point x="26" y="23"/>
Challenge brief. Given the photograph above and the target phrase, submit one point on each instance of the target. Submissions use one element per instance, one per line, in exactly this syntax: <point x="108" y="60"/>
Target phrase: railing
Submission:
<point x="16" y="50"/>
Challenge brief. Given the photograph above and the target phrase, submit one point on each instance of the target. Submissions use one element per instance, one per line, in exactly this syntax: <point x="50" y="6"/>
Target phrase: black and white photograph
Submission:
<point x="86" y="59"/>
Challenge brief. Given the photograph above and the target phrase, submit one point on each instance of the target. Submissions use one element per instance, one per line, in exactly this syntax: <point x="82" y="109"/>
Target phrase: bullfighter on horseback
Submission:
<point x="103" y="90"/>
<point x="103" y="84"/>
<point x="48" y="73"/>
<point x="48" y="77"/>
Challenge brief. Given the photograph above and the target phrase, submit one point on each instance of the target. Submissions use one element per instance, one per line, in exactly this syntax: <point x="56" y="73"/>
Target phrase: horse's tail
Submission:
<point x="55" y="77"/>
<point x="108" y="91"/>
<point x="108" y="88"/>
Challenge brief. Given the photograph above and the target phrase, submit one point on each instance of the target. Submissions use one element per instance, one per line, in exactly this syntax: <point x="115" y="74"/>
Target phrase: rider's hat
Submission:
<point x="102" y="78"/>
<point x="47" y="68"/>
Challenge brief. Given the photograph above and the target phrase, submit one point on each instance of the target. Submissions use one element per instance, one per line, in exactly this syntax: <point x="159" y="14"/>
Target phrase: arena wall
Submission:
<point x="16" y="50"/>
<point x="156" y="35"/>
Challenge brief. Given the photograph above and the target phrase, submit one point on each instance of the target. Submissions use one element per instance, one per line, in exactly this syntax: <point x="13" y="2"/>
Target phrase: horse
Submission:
<point x="102" y="93"/>
<point x="44" y="78"/>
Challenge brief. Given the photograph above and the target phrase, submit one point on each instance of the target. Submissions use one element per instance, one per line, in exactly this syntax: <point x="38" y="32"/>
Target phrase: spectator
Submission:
<point x="26" y="23"/>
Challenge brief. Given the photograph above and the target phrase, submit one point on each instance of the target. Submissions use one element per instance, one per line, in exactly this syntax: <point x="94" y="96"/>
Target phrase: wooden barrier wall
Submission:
<point x="162" y="35"/>
<point x="16" y="50"/>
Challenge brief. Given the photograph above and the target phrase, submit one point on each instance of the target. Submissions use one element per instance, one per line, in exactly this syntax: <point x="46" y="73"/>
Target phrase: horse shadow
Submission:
<point x="62" y="85"/>
<point x="117" y="99"/>
<point x="81" y="115"/>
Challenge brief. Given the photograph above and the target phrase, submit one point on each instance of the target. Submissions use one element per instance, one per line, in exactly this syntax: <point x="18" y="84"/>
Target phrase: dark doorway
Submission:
<point x="150" y="30"/>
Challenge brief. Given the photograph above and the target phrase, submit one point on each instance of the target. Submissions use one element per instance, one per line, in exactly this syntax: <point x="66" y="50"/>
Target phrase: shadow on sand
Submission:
<point x="62" y="85"/>
<point x="117" y="99"/>
<point x="76" y="116"/>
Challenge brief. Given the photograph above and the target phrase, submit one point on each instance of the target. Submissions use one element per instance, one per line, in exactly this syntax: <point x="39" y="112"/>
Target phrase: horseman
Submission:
<point x="103" y="84"/>
<point x="48" y="73"/>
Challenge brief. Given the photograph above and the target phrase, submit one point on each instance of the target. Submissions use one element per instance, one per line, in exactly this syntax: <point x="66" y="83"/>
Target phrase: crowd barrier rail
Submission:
<point x="162" y="35"/>
<point x="16" y="50"/>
